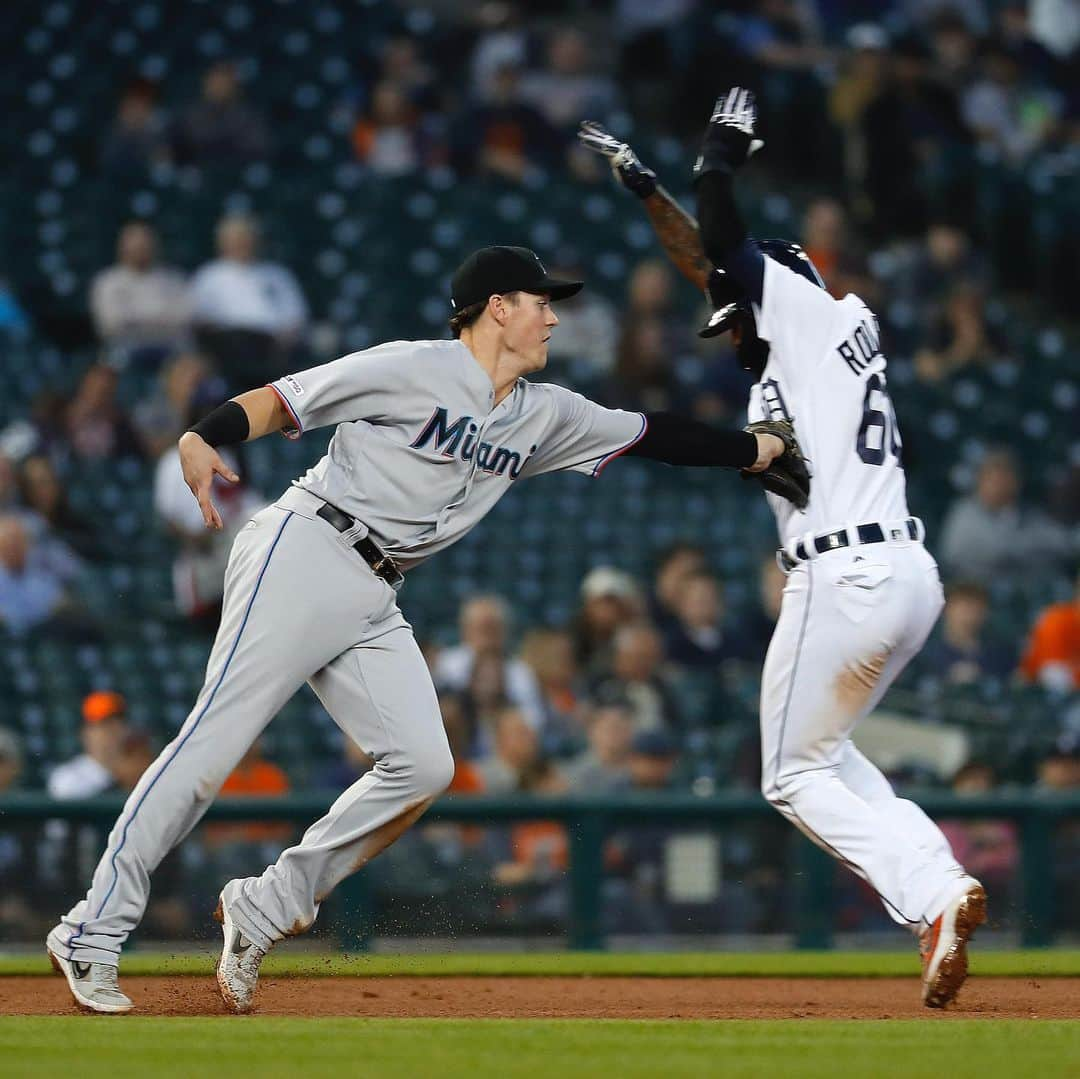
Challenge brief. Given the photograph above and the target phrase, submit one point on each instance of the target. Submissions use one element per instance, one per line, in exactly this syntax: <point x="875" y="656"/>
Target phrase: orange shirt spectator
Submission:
<point x="1053" y="652"/>
<point x="253" y="777"/>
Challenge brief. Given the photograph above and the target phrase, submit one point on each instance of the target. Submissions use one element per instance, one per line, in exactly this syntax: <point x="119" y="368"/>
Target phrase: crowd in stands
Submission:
<point x="911" y="118"/>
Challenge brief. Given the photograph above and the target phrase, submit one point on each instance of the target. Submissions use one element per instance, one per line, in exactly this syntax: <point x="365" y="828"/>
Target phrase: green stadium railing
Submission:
<point x="588" y="821"/>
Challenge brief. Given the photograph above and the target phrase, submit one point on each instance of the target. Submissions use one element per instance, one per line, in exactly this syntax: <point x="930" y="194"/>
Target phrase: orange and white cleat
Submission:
<point x="943" y="945"/>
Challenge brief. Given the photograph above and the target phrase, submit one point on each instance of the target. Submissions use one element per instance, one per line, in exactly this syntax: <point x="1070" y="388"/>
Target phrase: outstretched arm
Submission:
<point x="242" y="419"/>
<point x="680" y="440"/>
<point x="675" y="228"/>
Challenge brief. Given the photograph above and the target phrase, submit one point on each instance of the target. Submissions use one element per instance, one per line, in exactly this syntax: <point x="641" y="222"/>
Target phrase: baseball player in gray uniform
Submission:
<point x="429" y="436"/>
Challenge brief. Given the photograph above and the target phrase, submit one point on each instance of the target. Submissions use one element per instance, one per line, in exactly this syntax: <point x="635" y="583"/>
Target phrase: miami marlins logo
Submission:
<point x="460" y="438"/>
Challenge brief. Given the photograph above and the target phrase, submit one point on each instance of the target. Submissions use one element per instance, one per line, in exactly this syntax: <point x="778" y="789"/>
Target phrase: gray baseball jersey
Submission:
<point x="420" y="455"/>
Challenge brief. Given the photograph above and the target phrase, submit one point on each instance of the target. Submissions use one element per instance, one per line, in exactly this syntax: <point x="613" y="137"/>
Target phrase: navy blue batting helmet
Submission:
<point x="728" y="298"/>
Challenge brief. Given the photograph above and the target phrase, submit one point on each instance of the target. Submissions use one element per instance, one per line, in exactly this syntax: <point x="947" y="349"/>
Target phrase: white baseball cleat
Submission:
<point x="943" y="945"/>
<point x="93" y="985"/>
<point x="238" y="967"/>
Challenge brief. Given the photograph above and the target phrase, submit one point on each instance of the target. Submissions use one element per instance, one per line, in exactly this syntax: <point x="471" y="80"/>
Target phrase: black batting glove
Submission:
<point x="628" y="169"/>
<point x="729" y="139"/>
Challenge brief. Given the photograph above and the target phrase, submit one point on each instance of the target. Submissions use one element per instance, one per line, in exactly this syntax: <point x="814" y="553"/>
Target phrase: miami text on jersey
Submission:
<point x="862" y="346"/>
<point x="460" y="438"/>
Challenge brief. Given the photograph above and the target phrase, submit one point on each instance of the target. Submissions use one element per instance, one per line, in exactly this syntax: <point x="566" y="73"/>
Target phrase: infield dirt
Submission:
<point x="572" y="997"/>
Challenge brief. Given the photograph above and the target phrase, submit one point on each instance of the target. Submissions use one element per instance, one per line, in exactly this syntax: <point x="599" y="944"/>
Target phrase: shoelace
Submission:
<point x="107" y="977"/>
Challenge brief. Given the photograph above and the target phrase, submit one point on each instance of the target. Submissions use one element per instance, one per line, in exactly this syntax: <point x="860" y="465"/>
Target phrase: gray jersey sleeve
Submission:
<point x="581" y="435"/>
<point x="366" y="385"/>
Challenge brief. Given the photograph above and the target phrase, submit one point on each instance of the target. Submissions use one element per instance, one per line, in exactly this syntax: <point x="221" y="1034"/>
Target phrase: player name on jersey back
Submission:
<point x="826" y="372"/>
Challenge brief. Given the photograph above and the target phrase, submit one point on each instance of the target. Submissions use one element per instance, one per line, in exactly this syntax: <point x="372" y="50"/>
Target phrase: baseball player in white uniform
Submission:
<point x="863" y="592"/>
<point x="429" y="436"/>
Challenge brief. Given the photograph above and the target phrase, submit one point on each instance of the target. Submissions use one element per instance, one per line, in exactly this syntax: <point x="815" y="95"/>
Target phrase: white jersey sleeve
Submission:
<point x="797" y="318"/>
<point x="368" y="385"/>
<point x="581" y="436"/>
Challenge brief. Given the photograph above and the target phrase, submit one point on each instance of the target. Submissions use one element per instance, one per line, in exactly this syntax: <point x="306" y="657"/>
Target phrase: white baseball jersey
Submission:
<point x="827" y="373"/>
<point x="420" y="454"/>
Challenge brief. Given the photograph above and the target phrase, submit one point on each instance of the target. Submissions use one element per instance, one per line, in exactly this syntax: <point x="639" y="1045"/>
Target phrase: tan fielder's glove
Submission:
<point x="787" y="475"/>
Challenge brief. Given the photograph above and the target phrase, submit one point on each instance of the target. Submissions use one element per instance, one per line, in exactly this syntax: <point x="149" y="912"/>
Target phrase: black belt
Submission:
<point x="382" y="565"/>
<point x="833" y="541"/>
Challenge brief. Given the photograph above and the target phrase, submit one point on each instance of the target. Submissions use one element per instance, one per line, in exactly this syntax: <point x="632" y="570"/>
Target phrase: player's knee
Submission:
<point x="781" y="786"/>
<point x="433" y="770"/>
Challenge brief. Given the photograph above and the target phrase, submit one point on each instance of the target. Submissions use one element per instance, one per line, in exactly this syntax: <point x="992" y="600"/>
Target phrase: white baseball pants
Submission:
<point x="850" y="621"/>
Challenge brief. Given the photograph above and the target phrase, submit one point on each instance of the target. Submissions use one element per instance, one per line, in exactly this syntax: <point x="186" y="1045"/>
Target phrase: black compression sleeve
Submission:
<point x="680" y="440"/>
<point x="227" y="425"/>
<point x="724" y="236"/>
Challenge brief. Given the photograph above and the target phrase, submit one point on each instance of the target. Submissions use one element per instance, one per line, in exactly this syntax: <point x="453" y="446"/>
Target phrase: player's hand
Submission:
<point x="785" y="473"/>
<point x="200" y="462"/>
<point x="729" y="139"/>
<point x="626" y="165"/>
<point x="769" y="447"/>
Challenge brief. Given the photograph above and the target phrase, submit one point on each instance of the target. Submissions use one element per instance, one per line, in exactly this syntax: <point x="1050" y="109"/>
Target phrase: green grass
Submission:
<point x="729" y="964"/>
<point x="514" y="1049"/>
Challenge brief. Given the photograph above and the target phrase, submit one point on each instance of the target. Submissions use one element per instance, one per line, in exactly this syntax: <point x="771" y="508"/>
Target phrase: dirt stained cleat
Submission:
<point x="93" y="985"/>
<point x="238" y="967"/>
<point x="943" y="945"/>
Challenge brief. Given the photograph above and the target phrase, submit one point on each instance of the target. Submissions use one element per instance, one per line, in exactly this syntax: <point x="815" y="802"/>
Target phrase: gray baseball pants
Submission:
<point x="300" y="605"/>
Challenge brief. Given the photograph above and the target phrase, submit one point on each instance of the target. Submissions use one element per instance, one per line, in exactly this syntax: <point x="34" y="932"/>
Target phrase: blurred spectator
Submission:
<point x="467" y="776"/>
<point x="502" y="38"/>
<point x="504" y="136"/>
<point x="539" y="849"/>
<point x="391" y="138"/>
<point x="104" y="729"/>
<point x="221" y="128"/>
<point x="588" y="329"/>
<point x="164" y="416"/>
<point x="199" y="566"/>
<point x="903" y="132"/>
<point x="959" y="337"/>
<point x="516" y="752"/>
<point x="782" y="34"/>
<point x="637" y="681"/>
<point x="609" y="599"/>
<point x="141" y="308"/>
<point x="11" y="762"/>
<point x="676" y="564"/>
<point x="605" y="765"/>
<point x="17" y="863"/>
<point x="95" y="425"/>
<point x="756" y="628"/>
<point x="549" y="654"/>
<point x="644" y="377"/>
<point x="1052" y="656"/>
<point x="14" y="322"/>
<point x="484" y="698"/>
<point x="1055" y="24"/>
<point x="134" y="755"/>
<point x="1009" y="116"/>
<point x="960" y="655"/>
<point x="987" y="849"/>
<point x="1059" y="770"/>
<point x="139" y="135"/>
<point x="650" y="293"/>
<point x="483" y="626"/>
<point x="991" y="535"/>
<point x="56" y="522"/>
<point x="30" y="595"/>
<point x="698" y="638"/>
<point x="253" y="777"/>
<point x="568" y="88"/>
<point x="825" y="239"/>
<point x="249" y="313"/>
<point x="654" y="755"/>
<point x="955" y="49"/>
<point x="943" y="265"/>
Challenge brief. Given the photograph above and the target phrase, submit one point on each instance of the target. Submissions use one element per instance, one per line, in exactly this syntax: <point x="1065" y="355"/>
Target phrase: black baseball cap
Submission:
<point x="495" y="271"/>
